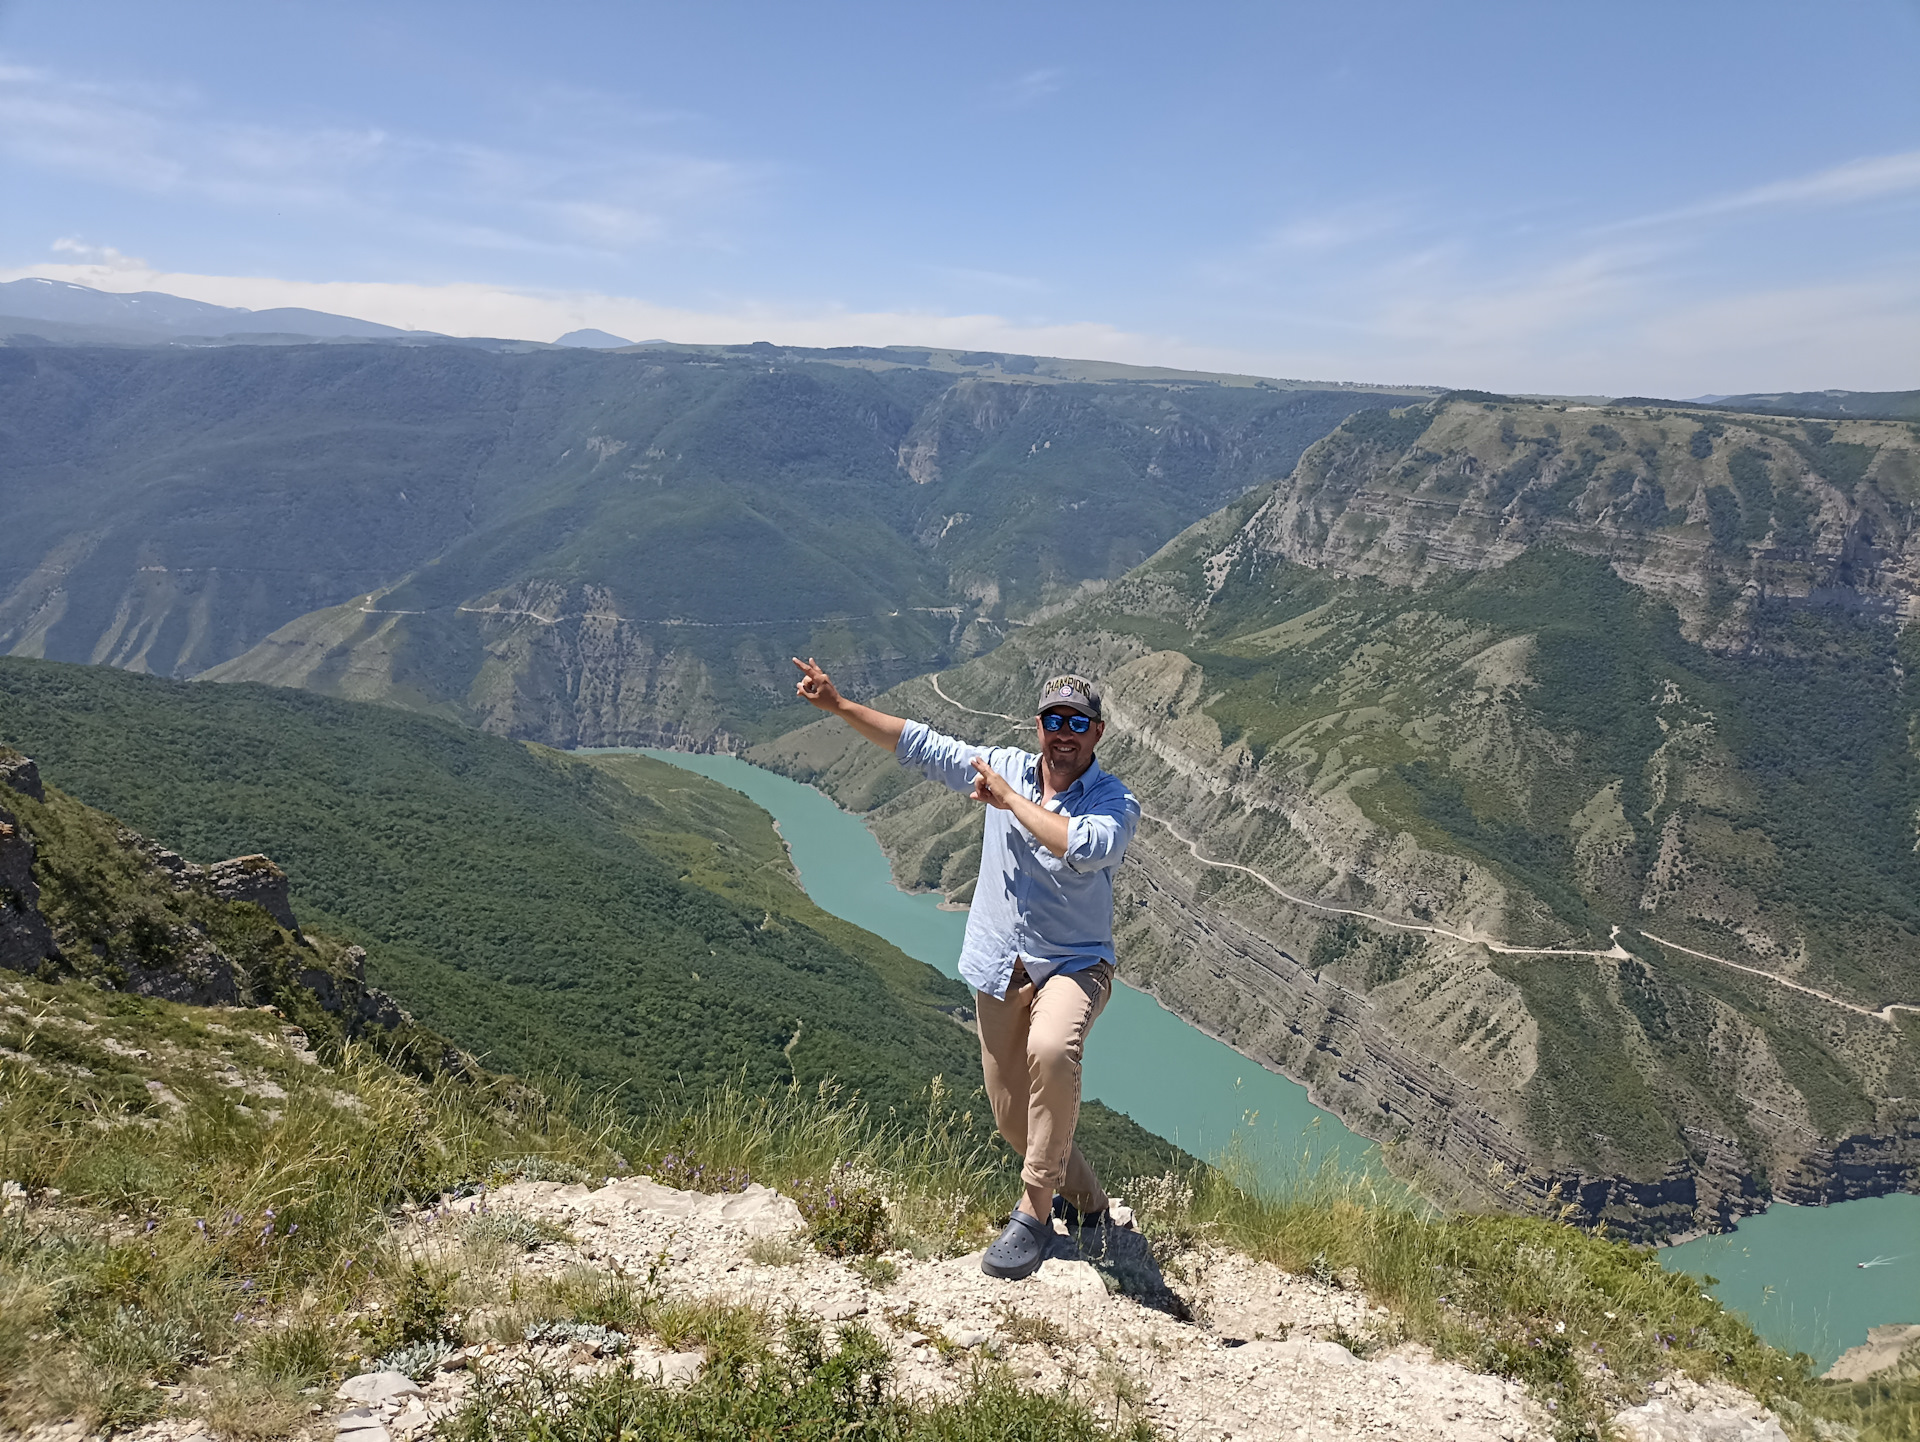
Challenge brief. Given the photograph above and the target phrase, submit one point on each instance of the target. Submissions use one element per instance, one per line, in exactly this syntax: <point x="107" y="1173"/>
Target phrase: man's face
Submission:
<point x="1065" y="749"/>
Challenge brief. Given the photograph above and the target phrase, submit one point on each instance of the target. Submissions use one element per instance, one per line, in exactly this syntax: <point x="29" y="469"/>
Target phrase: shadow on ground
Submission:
<point x="1125" y="1262"/>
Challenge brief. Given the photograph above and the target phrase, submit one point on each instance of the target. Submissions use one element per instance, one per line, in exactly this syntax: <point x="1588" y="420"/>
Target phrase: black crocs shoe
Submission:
<point x="1021" y="1249"/>
<point x="1075" y="1219"/>
<point x="1088" y="1229"/>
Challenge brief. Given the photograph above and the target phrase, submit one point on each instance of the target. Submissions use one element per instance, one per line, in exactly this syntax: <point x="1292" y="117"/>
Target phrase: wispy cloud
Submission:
<point x="1861" y="334"/>
<point x="618" y="188"/>
<point x="1029" y="87"/>
<point x="1875" y="177"/>
<point x="1597" y="323"/>
<point x="1334" y="229"/>
<point x="1515" y="310"/>
<point x="988" y="279"/>
<point x="1692" y="299"/>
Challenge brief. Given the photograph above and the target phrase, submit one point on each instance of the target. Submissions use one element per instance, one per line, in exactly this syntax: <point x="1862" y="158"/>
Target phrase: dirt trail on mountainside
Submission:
<point x="1616" y="952"/>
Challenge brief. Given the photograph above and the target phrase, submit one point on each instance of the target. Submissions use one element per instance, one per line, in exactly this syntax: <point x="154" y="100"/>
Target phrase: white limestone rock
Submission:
<point x="1077" y="1280"/>
<point x="1301" y="1349"/>
<point x="675" y="1369"/>
<point x="1884" y="1348"/>
<point x="761" y="1212"/>
<point x="370" y="1389"/>
<point x="1668" y="1419"/>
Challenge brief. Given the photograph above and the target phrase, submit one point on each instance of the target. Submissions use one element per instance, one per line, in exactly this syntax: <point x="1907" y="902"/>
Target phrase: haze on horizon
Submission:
<point x="1623" y="200"/>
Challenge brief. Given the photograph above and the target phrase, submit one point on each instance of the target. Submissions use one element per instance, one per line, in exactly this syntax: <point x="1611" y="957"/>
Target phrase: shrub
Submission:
<point x="773" y="1252"/>
<point x="845" y="1216"/>
<point x="540" y="1169"/>
<point x="133" y="1340"/>
<point x="690" y="1174"/>
<point x="511" y="1229"/>
<point x="245" y="1408"/>
<point x="806" y="1389"/>
<point x="877" y="1272"/>
<point x="559" y="1333"/>
<point x="421" y="1311"/>
<point x="419" y="1360"/>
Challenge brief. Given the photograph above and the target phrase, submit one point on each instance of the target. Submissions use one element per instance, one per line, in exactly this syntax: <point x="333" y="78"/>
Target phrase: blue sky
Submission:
<point x="1625" y="198"/>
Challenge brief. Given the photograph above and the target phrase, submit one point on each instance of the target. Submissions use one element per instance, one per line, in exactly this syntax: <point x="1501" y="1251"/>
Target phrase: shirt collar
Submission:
<point x="1084" y="779"/>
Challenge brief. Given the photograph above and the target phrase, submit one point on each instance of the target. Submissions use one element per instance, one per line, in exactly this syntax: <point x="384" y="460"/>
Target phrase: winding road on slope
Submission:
<point x="1616" y="952"/>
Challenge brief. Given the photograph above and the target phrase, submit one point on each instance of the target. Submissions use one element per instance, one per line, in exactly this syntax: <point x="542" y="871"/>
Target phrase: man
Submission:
<point x="1039" y="945"/>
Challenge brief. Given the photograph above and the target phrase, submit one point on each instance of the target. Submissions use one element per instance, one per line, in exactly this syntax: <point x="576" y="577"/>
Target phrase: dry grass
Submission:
<point x="264" y="1236"/>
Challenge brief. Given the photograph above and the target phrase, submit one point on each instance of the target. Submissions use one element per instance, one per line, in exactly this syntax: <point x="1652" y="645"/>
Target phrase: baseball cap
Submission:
<point x="1074" y="691"/>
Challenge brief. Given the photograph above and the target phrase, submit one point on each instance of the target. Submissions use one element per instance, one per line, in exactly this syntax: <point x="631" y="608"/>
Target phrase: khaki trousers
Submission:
<point x="1031" y="1044"/>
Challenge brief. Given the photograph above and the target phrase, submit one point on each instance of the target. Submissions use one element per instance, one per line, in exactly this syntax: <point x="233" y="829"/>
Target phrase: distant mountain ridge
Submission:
<point x="1855" y="405"/>
<point x="597" y="340"/>
<point x="161" y="316"/>
<point x="588" y="547"/>
<point x="1885" y="405"/>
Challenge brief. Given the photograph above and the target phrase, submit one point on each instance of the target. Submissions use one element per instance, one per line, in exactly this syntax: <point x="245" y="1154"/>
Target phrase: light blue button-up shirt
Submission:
<point x="1053" y="912"/>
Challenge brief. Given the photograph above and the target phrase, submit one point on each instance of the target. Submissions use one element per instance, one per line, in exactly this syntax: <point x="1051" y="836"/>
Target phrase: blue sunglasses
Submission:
<point x="1076" y="723"/>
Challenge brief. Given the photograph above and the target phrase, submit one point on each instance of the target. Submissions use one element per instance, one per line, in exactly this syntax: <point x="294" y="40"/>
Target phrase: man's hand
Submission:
<point x="815" y="687"/>
<point x="1052" y="829"/>
<point x="991" y="787"/>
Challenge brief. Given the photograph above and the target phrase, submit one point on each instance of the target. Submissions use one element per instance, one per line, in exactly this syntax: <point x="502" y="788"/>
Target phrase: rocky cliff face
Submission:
<point x="83" y="898"/>
<point x="567" y="666"/>
<point x="252" y="880"/>
<point x="24" y="938"/>
<point x="1513" y="850"/>
<point x="1717" y="513"/>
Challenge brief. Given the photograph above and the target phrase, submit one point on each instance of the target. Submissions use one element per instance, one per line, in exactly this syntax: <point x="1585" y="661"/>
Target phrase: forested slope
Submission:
<point x="622" y="922"/>
<point x="518" y="901"/>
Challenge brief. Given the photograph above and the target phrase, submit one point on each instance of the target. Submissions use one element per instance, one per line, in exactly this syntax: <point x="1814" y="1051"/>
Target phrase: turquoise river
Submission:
<point x="1796" y="1272"/>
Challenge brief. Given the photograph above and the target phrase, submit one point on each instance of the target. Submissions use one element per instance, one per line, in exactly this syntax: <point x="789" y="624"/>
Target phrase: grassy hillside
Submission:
<point x="622" y="922"/>
<point x="1527" y="673"/>
<point x="204" y="1222"/>
<point x="578" y="546"/>
<point x="98" y="904"/>
<point x="258" y="1223"/>
<point x="211" y="1214"/>
<point x="508" y="897"/>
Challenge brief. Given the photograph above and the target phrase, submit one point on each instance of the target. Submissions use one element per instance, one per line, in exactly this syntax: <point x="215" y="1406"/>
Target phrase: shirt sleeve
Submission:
<point x="1097" y="839"/>
<point x="936" y="756"/>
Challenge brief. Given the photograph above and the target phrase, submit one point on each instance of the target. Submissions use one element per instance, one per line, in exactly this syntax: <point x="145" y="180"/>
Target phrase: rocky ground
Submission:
<point x="1216" y="1348"/>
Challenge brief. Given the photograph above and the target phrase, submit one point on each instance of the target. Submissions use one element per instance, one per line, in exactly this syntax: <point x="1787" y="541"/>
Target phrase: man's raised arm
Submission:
<point x="816" y="689"/>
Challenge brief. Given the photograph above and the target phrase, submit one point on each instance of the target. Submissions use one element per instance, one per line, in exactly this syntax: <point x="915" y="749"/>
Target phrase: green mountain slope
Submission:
<point x="510" y="898"/>
<point x="1891" y="405"/>
<point x="619" y="920"/>
<point x="1483" y="671"/>
<point x="582" y="547"/>
<point x="214" y="1212"/>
